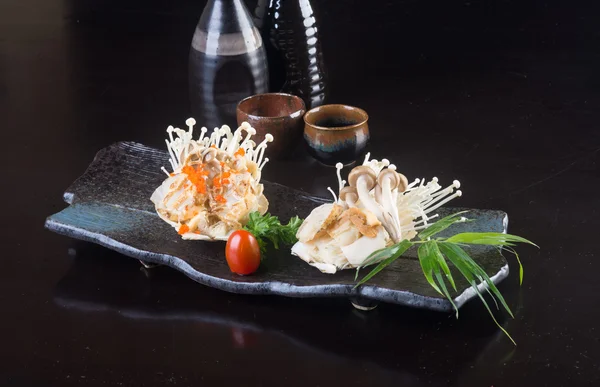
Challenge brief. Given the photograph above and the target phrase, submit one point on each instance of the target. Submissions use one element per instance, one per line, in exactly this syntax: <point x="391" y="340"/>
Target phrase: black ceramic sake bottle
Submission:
<point x="227" y="63"/>
<point x="290" y="31"/>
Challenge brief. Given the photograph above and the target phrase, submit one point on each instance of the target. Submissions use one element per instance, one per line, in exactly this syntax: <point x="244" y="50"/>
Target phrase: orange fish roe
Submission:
<point x="183" y="229"/>
<point x="220" y="199"/>
<point x="221" y="179"/>
<point x="196" y="178"/>
<point x="240" y="152"/>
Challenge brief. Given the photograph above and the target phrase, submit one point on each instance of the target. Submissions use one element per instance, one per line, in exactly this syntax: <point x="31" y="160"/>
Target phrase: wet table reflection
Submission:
<point x="307" y="328"/>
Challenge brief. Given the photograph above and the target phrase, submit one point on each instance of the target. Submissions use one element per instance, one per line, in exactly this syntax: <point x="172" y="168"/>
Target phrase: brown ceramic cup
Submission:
<point x="280" y="115"/>
<point x="336" y="133"/>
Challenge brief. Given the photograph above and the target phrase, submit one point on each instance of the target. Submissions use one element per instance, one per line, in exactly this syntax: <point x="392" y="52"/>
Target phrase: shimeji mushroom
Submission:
<point x="389" y="183"/>
<point x="349" y="195"/>
<point x="364" y="179"/>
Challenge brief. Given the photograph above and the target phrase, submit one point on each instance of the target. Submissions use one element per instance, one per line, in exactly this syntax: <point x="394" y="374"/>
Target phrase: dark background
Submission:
<point x="502" y="95"/>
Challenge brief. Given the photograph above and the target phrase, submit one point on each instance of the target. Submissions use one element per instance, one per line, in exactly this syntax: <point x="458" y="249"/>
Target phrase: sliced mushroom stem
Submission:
<point x="390" y="206"/>
<point x="370" y="204"/>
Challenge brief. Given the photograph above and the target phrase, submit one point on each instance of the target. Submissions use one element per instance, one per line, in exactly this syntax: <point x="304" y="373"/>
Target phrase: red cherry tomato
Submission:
<point x="242" y="252"/>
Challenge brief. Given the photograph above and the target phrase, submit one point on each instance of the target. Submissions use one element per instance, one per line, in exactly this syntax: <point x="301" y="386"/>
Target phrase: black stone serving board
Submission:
<point x="110" y="205"/>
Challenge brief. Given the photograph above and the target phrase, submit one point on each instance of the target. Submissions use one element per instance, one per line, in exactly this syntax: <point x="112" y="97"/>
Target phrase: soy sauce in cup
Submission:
<point x="336" y="133"/>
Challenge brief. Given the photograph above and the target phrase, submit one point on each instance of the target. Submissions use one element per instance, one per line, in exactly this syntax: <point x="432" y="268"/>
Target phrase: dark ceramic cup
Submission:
<point x="336" y="133"/>
<point x="280" y="115"/>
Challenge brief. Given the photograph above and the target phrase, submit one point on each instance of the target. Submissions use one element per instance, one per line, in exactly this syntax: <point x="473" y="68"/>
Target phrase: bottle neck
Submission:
<point x="225" y="17"/>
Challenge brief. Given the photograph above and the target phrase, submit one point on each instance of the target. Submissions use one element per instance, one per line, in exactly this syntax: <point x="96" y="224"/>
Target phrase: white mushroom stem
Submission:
<point x="411" y="185"/>
<point x="364" y="179"/>
<point x="419" y="201"/>
<point x="206" y="141"/>
<point x="170" y="132"/>
<point x="341" y="183"/>
<point x="233" y="143"/>
<point x="261" y="166"/>
<point x="250" y="148"/>
<point x="335" y="199"/>
<point x="190" y="122"/>
<point x="366" y="161"/>
<point x="172" y="158"/>
<point x="225" y="131"/>
<point x="260" y="149"/>
<point x="456" y="194"/>
<point x="422" y="224"/>
<point x="350" y="203"/>
<point x="389" y="204"/>
<point x="181" y="145"/>
<point x="250" y="131"/>
<point x="367" y="200"/>
<point x="214" y="137"/>
<point x="202" y="132"/>
<point x="436" y="197"/>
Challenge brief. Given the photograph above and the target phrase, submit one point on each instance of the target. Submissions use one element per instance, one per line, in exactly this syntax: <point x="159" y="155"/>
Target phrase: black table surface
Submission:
<point x="502" y="95"/>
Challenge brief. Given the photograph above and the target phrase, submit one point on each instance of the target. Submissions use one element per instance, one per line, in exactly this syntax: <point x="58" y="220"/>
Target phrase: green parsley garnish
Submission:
<point x="267" y="228"/>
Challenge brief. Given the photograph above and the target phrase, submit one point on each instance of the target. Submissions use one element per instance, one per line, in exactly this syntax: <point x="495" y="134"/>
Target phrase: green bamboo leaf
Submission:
<point x="402" y="247"/>
<point x="442" y="285"/>
<point x="482" y="276"/>
<point x="428" y="263"/>
<point x="487" y="289"/>
<point x="519" y="261"/>
<point x="477" y="272"/>
<point x="466" y="271"/>
<point x="441" y="261"/>
<point x="457" y="254"/>
<point x="441" y="225"/>
<point x="474" y="285"/>
<point x="457" y="261"/>
<point x="488" y="238"/>
<point x="380" y="254"/>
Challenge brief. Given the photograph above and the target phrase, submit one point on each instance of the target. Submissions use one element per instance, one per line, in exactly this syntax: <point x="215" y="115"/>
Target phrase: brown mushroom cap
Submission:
<point x="403" y="185"/>
<point x="349" y="193"/>
<point x="388" y="174"/>
<point x="396" y="179"/>
<point x="365" y="172"/>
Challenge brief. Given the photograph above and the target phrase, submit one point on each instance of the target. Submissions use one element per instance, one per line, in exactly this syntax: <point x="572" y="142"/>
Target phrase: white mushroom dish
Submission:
<point x="215" y="181"/>
<point x="377" y="209"/>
